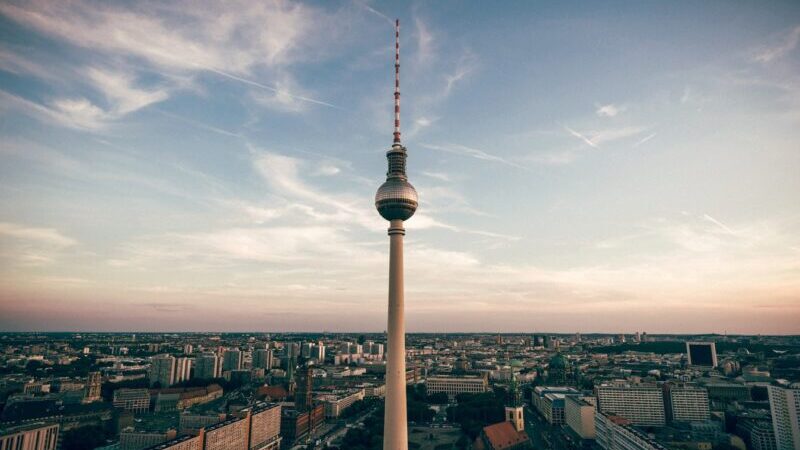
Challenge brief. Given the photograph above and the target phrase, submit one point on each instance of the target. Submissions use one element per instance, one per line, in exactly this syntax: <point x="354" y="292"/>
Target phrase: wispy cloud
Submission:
<point x="473" y="153"/>
<point x="596" y="138"/>
<point x="49" y="236"/>
<point x="583" y="138"/>
<point x="610" y="110"/>
<point x="788" y="42"/>
<point x="644" y="139"/>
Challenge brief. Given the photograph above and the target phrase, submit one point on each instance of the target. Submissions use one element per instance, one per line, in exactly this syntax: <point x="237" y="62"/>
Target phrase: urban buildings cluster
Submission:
<point x="268" y="391"/>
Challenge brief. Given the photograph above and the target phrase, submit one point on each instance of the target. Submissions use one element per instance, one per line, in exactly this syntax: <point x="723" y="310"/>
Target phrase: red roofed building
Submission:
<point x="508" y="435"/>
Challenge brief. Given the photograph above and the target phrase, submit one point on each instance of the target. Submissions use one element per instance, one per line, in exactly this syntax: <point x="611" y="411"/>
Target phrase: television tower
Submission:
<point x="396" y="201"/>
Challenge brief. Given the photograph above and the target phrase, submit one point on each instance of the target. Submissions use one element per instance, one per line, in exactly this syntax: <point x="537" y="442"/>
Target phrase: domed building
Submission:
<point x="558" y="370"/>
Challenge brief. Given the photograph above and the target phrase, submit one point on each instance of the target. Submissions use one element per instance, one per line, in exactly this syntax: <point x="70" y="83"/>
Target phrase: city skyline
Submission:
<point x="591" y="168"/>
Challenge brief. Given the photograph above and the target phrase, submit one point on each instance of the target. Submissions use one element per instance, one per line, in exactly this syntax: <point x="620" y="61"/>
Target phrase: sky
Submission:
<point x="581" y="166"/>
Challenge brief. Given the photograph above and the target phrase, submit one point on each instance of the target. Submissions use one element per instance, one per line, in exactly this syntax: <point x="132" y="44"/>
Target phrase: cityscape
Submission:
<point x="591" y="212"/>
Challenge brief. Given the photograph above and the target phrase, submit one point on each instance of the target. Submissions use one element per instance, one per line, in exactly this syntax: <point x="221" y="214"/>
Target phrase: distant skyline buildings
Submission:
<point x="586" y="167"/>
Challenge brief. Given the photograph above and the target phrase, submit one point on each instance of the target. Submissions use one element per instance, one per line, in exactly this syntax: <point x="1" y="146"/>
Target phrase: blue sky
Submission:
<point x="610" y="166"/>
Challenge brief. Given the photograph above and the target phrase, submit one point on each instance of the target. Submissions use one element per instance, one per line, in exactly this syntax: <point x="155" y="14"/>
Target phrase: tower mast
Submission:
<point x="396" y="201"/>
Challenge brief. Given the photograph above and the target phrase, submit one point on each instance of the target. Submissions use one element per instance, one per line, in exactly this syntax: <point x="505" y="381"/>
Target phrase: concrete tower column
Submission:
<point x="395" y="434"/>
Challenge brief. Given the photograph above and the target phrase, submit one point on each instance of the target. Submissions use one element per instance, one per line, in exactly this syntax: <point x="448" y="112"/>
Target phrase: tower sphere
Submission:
<point x="396" y="199"/>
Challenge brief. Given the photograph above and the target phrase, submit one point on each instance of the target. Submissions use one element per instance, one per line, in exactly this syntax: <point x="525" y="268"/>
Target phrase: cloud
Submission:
<point x="425" y="43"/>
<point x="609" y="110"/>
<point x="441" y="176"/>
<point x="230" y="40"/>
<point x="596" y="138"/>
<point x="644" y="139"/>
<point x="473" y="153"/>
<point x="788" y="43"/>
<point x="121" y="93"/>
<point x="48" y="236"/>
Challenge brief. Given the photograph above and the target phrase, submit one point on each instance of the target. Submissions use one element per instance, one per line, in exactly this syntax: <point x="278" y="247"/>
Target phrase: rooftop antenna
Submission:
<point x="397" y="81"/>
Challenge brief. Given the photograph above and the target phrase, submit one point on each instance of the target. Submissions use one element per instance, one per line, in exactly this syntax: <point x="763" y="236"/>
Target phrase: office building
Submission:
<point x="757" y="432"/>
<point x="34" y="436"/>
<point x="336" y="403"/>
<point x="454" y="385"/>
<point x="702" y="354"/>
<point x="686" y="402"/>
<point x="265" y="426"/>
<point x="162" y="371"/>
<point x="784" y="404"/>
<point x="641" y="404"/>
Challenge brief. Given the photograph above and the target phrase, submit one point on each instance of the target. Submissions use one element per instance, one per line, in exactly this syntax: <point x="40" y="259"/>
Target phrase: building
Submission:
<point x="133" y="400"/>
<point x="92" y="390"/>
<point x="265" y="426"/>
<point x="454" y="385"/>
<point x="130" y="439"/>
<point x="396" y="201"/>
<point x="509" y="434"/>
<point x="579" y="415"/>
<point x="616" y="433"/>
<point x="558" y="370"/>
<point x="784" y="406"/>
<point x="181" y="443"/>
<point x="191" y="423"/>
<point x="257" y="428"/>
<point x="686" y="403"/>
<point x="295" y="424"/>
<point x="641" y="404"/>
<point x="262" y="359"/>
<point x="336" y="403"/>
<point x="702" y="354"/>
<point x="757" y="432"/>
<point x="34" y="436"/>
<point x="162" y="371"/>
<point x="232" y="359"/>
<point x="207" y="366"/>
<point x="549" y="402"/>
<point x="183" y="370"/>
<point x="228" y="435"/>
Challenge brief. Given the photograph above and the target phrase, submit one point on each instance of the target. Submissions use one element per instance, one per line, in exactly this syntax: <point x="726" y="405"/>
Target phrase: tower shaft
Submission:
<point x="395" y="434"/>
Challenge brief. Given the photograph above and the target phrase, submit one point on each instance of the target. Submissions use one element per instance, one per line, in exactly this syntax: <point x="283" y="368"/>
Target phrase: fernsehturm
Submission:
<point x="396" y="201"/>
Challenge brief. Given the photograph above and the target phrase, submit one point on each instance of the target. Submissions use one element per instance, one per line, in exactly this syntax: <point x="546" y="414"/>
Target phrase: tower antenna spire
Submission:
<point x="397" y="81"/>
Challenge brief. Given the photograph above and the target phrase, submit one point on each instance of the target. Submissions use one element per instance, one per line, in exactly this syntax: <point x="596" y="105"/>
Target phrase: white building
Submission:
<point x="785" y="409"/>
<point x="686" y="403"/>
<point x="642" y="404"/>
<point x="579" y="415"/>
<point x="207" y="366"/>
<point x="615" y="433"/>
<point x="337" y="402"/>
<point x="183" y="369"/>
<point x="452" y="386"/>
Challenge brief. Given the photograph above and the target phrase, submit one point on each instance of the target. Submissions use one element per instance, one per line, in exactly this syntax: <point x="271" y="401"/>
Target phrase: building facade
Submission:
<point x="641" y="404"/>
<point x="785" y="410"/>
<point x="37" y="436"/>
<point x="452" y="386"/>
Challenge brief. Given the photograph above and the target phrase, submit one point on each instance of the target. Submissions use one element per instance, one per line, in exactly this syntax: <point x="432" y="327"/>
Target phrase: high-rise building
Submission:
<point x="92" y="390"/>
<point x="784" y="405"/>
<point x="686" y="402"/>
<point x="187" y="349"/>
<point x="207" y="366"/>
<point x="396" y="201"/>
<point x="162" y="371"/>
<point x="34" y="436"/>
<point x="641" y="404"/>
<point x="232" y="359"/>
<point x="183" y="369"/>
<point x="702" y="354"/>
<point x="262" y="359"/>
